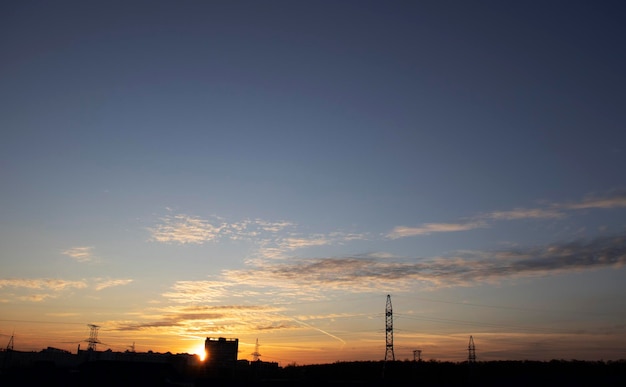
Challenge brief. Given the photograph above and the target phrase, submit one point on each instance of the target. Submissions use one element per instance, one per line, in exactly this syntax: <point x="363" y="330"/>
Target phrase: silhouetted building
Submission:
<point x="221" y="352"/>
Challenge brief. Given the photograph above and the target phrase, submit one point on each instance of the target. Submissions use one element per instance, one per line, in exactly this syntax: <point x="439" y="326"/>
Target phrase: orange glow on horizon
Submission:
<point x="199" y="351"/>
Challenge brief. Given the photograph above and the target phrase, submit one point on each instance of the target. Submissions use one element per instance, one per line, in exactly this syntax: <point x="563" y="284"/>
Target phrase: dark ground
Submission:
<point x="430" y="373"/>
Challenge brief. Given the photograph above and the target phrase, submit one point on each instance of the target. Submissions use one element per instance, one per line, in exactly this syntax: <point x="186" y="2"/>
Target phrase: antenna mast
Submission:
<point x="389" y="331"/>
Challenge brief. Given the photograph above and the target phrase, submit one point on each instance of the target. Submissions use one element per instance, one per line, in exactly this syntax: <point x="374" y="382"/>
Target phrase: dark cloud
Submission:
<point x="276" y="326"/>
<point x="147" y="325"/>
<point x="220" y="317"/>
<point x="362" y="273"/>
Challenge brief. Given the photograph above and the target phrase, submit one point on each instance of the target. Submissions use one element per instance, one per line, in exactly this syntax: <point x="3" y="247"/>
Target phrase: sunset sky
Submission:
<point x="176" y="170"/>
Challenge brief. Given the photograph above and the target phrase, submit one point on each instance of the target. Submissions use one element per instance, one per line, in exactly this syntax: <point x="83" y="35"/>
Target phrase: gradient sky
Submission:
<point x="172" y="170"/>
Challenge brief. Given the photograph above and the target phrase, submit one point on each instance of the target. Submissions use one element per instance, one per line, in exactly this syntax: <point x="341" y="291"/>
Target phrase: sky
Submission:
<point x="272" y="170"/>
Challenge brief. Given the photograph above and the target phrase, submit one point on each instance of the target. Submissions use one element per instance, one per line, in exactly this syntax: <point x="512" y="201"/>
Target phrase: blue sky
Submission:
<point x="272" y="170"/>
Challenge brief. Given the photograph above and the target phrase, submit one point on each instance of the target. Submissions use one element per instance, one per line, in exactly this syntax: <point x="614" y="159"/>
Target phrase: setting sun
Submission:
<point x="199" y="351"/>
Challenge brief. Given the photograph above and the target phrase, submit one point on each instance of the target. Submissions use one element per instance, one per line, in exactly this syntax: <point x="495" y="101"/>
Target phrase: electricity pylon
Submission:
<point x="389" y="355"/>
<point x="93" y="337"/>
<point x="471" y="349"/>
<point x="11" y="343"/>
<point x="256" y="354"/>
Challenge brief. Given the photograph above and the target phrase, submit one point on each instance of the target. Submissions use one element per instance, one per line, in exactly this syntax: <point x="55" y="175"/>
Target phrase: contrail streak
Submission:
<point x="320" y="330"/>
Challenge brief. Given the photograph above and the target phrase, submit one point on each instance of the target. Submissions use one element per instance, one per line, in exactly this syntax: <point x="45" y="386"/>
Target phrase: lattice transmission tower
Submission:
<point x="471" y="349"/>
<point x="389" y="355"/>
<point x="256" y="355"/>
<point x="11" y="343"/>
<point x="93" y="337"/>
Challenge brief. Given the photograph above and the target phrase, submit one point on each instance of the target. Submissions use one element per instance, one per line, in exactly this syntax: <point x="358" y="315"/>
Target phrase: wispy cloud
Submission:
<point x="273" y="240"/>
<point x="208" y="319"/>
<point x="108" y="283"/>
<point x="522" y="213"/>
<point x="42" y="283"/>
<point x="184" y="229"/>
<point x="80" y="253"/>
<point x="274" y="226"/>
<point x="44" y="288"/>
<point x="36" y="297"/>
<point x="615" y="200"/>
<point x="197" y="291"/>
<point x="552" y="211"/>
<point x="282" y="246"/>
<point x="41" y="289"/>
<point x="293" y="243"/>
<point x="429" y="228"/>
<point x="62" y="314"/>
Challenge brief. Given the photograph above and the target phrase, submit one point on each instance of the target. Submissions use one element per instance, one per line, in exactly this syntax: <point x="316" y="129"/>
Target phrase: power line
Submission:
<point x="470" y="304"/>
<point x="479" y="324"/>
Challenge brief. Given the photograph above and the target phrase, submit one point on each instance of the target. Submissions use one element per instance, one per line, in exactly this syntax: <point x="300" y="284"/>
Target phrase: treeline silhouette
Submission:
<point x="362" y="373"/>
<point x="435" y="373"/>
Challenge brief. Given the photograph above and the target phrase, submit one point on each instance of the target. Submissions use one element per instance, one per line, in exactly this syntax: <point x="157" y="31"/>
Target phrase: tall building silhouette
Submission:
<point x="221" y="352"/>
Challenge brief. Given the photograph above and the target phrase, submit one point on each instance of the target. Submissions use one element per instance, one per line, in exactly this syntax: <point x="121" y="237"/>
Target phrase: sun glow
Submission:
<point x="200" y="352"/>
